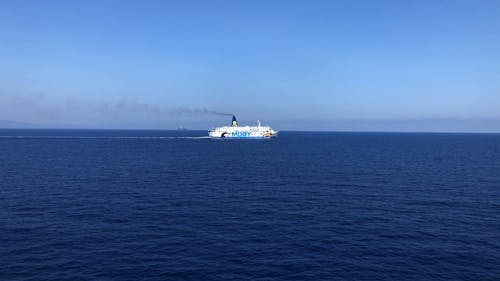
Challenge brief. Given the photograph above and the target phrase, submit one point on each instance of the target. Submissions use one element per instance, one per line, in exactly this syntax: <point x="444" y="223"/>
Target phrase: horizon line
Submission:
<point x="298" y="131"/>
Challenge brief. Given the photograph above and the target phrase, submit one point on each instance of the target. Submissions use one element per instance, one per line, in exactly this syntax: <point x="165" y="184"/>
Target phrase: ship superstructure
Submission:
<point x="235" y="131"/>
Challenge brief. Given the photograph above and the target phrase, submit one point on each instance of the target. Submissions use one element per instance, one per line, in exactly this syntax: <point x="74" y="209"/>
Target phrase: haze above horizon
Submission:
<point x="296" y="65"/>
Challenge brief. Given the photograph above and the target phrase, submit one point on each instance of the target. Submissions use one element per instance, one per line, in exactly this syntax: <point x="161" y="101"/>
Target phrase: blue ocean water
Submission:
<point x="166" y="205"/>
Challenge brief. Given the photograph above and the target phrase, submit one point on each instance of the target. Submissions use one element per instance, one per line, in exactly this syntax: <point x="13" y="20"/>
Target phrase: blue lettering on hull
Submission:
<point x="240" y="134"/>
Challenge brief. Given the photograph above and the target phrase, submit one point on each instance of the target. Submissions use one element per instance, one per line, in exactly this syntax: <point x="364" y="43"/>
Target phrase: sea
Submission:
<point x="175" y="205"/>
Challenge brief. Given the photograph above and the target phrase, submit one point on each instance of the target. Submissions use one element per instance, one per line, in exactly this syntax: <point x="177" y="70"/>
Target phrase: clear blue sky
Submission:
<point x="333" y="65"/>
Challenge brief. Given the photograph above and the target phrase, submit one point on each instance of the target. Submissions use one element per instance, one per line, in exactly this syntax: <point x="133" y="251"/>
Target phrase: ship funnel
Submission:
<point x="234" y="123"/>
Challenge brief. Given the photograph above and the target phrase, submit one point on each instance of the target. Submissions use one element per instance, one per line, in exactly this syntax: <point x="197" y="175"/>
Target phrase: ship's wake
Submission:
<point x="102" y="137"/>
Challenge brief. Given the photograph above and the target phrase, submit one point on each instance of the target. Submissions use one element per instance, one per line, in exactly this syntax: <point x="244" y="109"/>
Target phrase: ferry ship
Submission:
<point x="235" y="131"/>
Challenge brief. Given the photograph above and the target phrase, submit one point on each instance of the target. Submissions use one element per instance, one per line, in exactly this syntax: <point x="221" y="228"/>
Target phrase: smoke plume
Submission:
<point x="42" y="108"/>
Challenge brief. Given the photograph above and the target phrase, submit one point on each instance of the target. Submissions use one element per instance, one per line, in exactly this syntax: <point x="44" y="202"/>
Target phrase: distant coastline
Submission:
<point x="9" y="124"/>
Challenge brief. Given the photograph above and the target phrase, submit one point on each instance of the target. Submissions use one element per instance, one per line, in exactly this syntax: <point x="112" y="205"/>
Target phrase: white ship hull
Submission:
<point x="234" y="131"/>
<point x="242" y="132"/>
